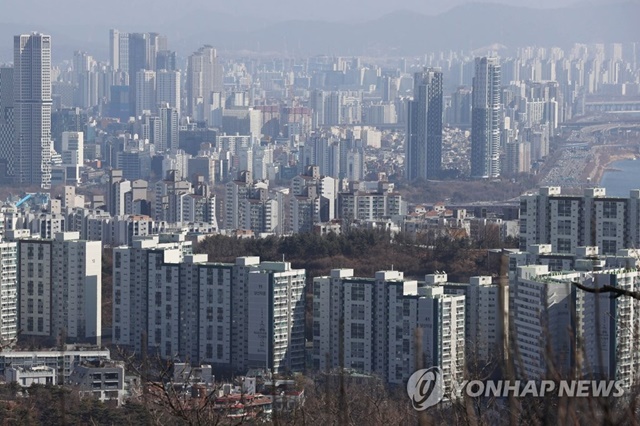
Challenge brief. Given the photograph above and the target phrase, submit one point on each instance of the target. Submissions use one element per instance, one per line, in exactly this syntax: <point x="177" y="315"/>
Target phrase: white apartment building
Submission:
<point x="372" y="322"/>
<point x="8" y="293"/>
<point x="72" y="155"/>
<point x="617" y="356"/>
<point x="485" y="318"/>
<point x="541" y="306"/>
<point x="134" y="268"/>
<point x="168" y="89"/>
<point x="442" y="319"/>
<point x="359" y="205"/>
<point x="567" y="222"/>
<point x="593" y="334"/>
<point x="60" y="288"/>
<point x="276" y="315"/>
<point x="145" y="92"/>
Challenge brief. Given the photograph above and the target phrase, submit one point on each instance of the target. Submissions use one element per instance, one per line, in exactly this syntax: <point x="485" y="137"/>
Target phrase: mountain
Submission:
<point x="465" y="27"/>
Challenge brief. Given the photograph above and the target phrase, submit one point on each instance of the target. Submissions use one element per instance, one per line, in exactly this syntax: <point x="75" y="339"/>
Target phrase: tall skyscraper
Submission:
<point x="32" y="108"/>
<point x="114" y="49"/>
<point x="169" y="135"/>
<point x="204" y="76"/>
<point x="7" y="137"/>
<point x="139" y="59"/>
<point x="168" y="89"/>
<point x="485" y="119"/>
<point x="145" y="92"/>
<point x="423" y="143"/>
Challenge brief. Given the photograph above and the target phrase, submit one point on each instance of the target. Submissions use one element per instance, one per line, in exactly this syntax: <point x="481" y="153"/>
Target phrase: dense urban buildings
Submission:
<point x="152" y="157"/>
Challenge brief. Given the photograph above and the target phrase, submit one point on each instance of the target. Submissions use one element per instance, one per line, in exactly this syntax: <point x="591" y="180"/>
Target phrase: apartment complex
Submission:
<point x="559" y="327"/>
<point x="571" y="221"/>
<point x="233" y="316"/>
<point x="371" y="325"/>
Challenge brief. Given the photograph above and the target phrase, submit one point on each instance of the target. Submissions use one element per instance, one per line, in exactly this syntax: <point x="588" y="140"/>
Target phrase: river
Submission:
<point x="621" y="177"/>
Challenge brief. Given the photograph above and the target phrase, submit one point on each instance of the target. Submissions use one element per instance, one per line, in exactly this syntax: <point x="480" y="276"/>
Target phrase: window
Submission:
<point x="40" y="325"/>
<point x="357" y="331"/>
<point x="357" y="312"/>
<point x="220" y="352"/>
<point x="564" y="245"/>
<point x="357" y="349"/>
<point x="609" y="229"/>
<point x="357" y="292"/>
<point x="564" y="227"/>
<point x="609" y="209"/>
<point x="609" y="247"/>
<point x="209" y="351"/>
<point x="564" y="208"/>
<point x="316" y="328"/>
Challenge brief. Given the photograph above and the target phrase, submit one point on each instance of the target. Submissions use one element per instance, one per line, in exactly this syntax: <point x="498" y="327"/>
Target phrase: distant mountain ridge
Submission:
<point x="400" y="33"/>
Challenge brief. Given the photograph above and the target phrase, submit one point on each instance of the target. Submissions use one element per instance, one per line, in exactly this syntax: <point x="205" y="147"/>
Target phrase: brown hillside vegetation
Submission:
<point x="366" y="251"/>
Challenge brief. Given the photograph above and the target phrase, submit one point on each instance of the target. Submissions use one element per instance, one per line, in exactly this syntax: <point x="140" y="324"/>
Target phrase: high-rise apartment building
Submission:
<point x="60" y="284"/>
<point x="168" y="89"/>
<point x="234" y="316"/>
<point x="72" y="154"/>
<point x="484" y="323"/>
<point x="9" y="290"/>
<point x="204" y="77"/>
<point x="7" y="132"/>
<point x="114" y="49"/>
<point x="169" y="129"/>
<point x="423" y="142"/>
<point x="485" y="119"/>
<point x="145" y="92"/>
<point x="32" y="109"/>
<point x="571" y="221"/>
<point x="558" y="327"/>
<point x="372" y="324"/>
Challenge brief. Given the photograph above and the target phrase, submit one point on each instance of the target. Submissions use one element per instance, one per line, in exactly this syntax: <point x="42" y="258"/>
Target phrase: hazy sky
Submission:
<point x="130" y="12"/>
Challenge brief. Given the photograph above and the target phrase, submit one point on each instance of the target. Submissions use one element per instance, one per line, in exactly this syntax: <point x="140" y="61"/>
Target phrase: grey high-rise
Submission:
<point x="32" y="109"/>
<point x="204" y="77"/>
<point x="485" y="119"/>
<point x="7" y="134"/>
<point x="423" y="143"/>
